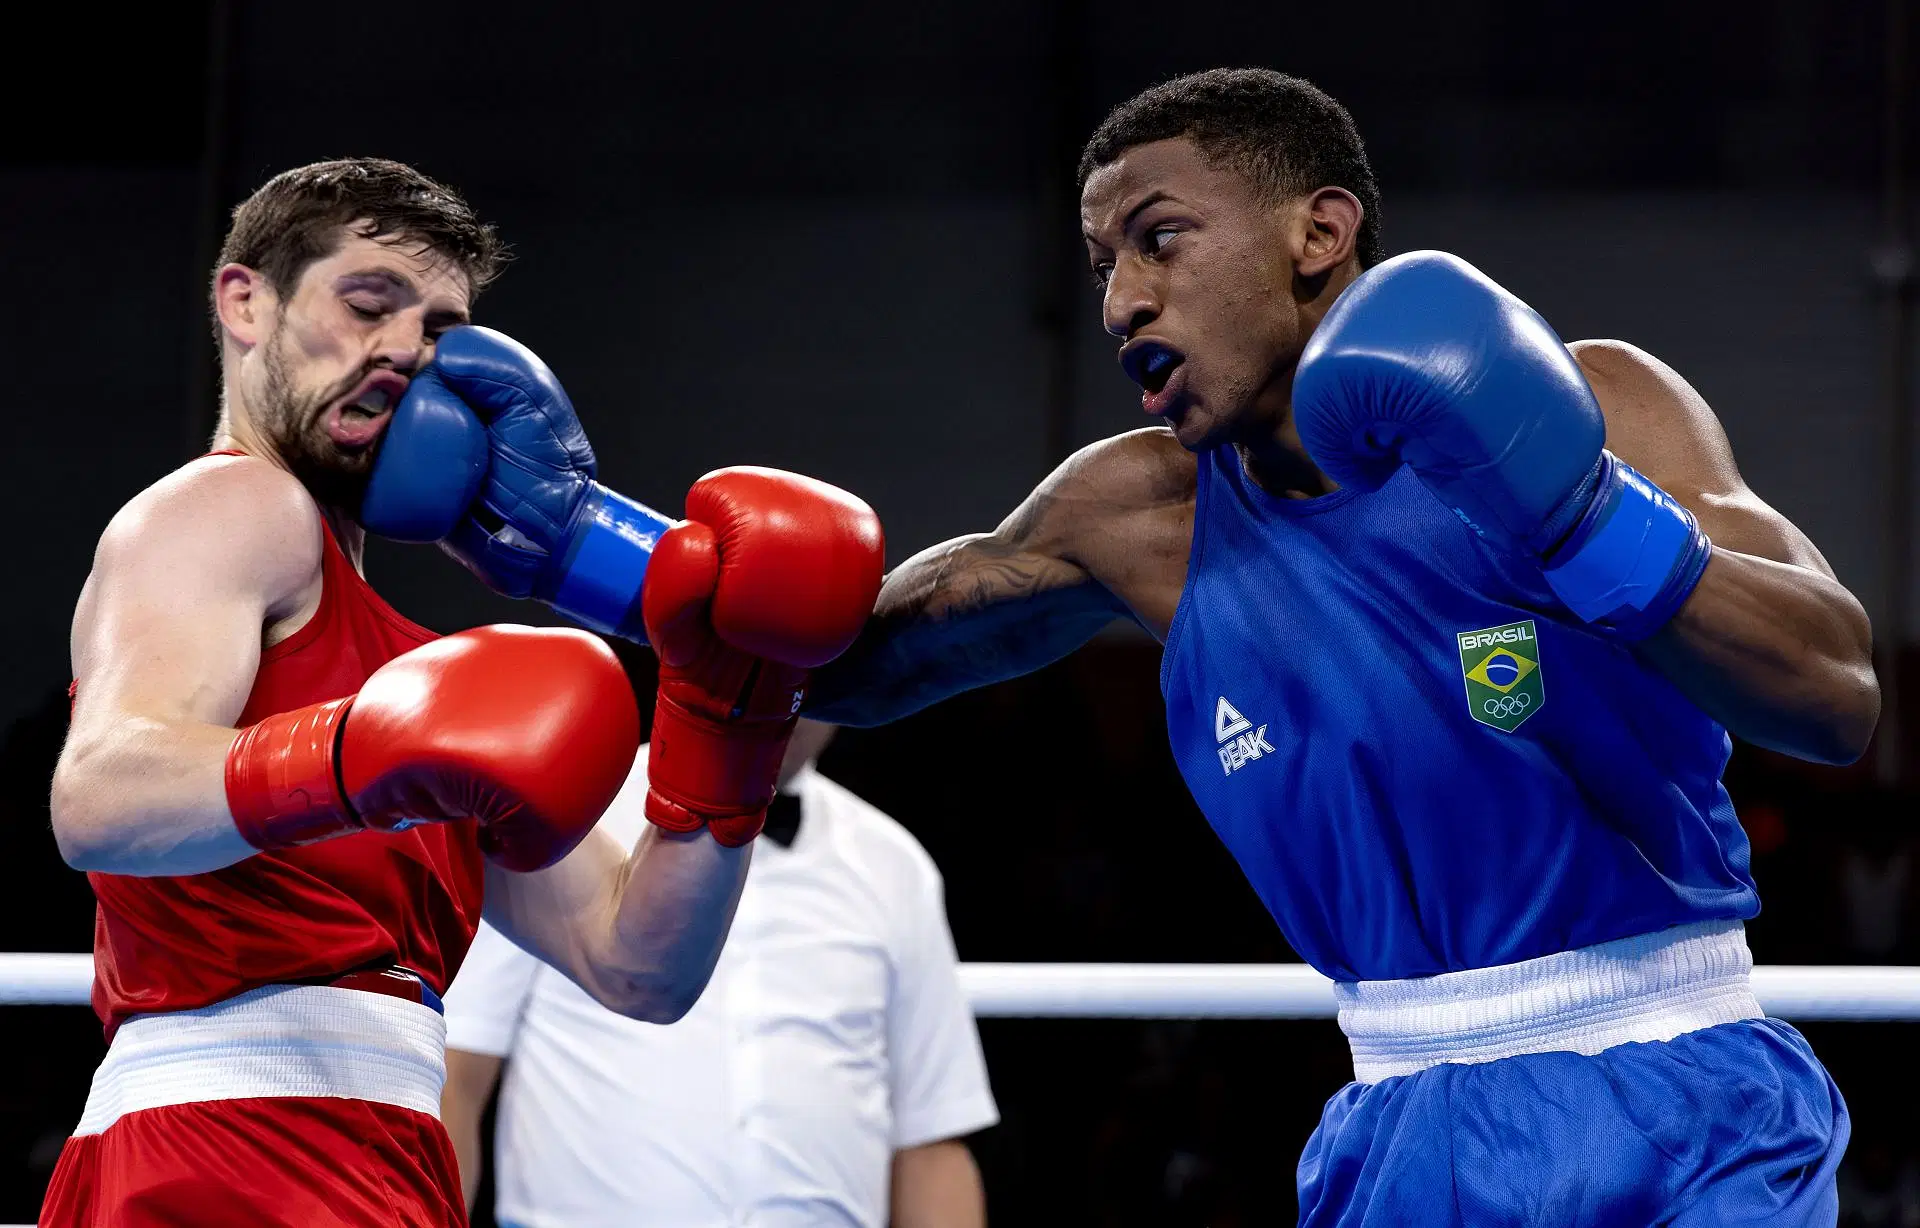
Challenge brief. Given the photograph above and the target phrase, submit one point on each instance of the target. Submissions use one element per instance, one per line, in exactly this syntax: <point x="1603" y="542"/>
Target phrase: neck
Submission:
<point x="236" y="434"/>
<point x="1279" y="465"/>
<point x="1271" y="452"/>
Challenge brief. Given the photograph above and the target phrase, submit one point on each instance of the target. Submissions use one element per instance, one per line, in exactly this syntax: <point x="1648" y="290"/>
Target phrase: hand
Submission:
<point x="528" y="731"/>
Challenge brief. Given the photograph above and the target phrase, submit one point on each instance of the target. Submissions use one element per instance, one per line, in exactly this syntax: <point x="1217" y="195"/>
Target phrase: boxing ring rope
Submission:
<point x="1172" y="991"/>
<point x="1168" y="991"/>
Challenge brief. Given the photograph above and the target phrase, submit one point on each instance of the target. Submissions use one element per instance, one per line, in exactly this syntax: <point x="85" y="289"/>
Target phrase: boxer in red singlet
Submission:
<point x="293" y="803"/>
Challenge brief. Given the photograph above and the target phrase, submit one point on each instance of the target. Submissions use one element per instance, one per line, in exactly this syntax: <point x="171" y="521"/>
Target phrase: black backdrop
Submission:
<point x="842" y="240"/>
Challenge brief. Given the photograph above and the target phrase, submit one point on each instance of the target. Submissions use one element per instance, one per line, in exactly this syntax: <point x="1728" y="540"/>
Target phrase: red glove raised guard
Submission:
<point x="771" y="574"/>
<point x="529" y="731"/>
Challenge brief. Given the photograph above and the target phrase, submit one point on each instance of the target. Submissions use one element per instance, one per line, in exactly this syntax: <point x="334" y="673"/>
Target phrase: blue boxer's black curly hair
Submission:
<point x="303" y="215"/>
<point x="1282" y="133"/>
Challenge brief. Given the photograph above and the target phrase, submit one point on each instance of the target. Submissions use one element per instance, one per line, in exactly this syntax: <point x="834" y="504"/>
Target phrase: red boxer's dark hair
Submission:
<point x="302" y="215"/>
<point x="1284" y="134"/>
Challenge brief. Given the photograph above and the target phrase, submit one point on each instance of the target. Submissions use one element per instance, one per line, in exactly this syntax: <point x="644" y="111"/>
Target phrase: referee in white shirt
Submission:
<point x="825" y="1077"/>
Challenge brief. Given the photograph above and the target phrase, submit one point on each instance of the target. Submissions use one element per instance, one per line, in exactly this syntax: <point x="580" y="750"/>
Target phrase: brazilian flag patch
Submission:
<point x="1501" y="666"/>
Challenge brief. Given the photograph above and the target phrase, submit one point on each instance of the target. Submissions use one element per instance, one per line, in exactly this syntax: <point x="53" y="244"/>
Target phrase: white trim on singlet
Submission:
<point x="1652" y="987"/>
<point x="276" y="1041"/>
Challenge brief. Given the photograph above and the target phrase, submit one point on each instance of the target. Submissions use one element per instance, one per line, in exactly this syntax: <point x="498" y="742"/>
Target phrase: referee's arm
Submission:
<point x="484" y="1007"/>
<point x="937" y="1185"/>
<point x="940" y="1091"/>
<point x="470" y="1081"/>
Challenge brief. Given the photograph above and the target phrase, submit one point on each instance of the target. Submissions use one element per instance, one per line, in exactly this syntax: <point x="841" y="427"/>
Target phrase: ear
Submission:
<point x="1330" y="230"/>
<point x="242" y="301"/>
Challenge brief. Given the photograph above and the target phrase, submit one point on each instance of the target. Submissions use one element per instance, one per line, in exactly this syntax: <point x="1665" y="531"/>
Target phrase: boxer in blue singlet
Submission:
<point x="1457" y="620"/>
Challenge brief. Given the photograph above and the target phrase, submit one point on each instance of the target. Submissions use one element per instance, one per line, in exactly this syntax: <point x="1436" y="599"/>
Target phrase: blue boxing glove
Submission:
<point x="432" y="460"/>
<point x="1425" y="362"/>
<point x="535" y="523"/>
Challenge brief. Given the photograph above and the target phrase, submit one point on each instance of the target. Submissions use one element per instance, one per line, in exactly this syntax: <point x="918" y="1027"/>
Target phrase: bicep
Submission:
<point x="1658" y="423"/>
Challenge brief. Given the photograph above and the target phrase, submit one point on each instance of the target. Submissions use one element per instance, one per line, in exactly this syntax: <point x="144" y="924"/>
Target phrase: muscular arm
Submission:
<point x="991" y="606"/>
<point x="166" y="642"/>
<point x="639" y="932"/>
<point x="1770" y="643"/>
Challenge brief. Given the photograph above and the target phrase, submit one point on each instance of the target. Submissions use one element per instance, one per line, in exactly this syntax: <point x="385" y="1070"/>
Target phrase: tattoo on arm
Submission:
<point x="968" y="612"/>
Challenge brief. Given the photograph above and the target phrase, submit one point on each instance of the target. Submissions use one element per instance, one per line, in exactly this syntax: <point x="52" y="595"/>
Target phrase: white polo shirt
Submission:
<point x="833" y="1033"/>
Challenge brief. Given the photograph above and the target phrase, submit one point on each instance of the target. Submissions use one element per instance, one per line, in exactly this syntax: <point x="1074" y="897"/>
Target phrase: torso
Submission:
<point x="303" y="914"/>
<point x="1389" y="832"/>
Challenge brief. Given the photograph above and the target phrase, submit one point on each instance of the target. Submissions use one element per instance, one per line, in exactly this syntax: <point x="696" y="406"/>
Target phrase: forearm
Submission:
<point x="937" y="1186"/>
<point x="927" y="642"/>
<point x="639" y="932"/>
<point x="1781" y="655"/>
<point x="676" y="898"/>
<point x="146" y="797"/>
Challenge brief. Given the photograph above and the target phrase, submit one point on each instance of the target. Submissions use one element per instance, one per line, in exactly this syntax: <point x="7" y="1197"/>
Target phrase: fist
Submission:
<point x="770" y="575"/>
<point x="799" y="562"/>
<point x="529" y="731"/>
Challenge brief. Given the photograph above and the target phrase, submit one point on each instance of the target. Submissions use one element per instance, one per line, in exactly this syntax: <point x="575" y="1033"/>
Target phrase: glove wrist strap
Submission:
<point x="605" y="565"/>
<point x="1633" y="559"/>
<point x="283" y="778"/>
<point x="720" y="774"/>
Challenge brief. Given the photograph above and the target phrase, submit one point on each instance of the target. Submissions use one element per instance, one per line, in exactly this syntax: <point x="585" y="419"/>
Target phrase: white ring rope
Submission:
<point x="1171" y="991"/>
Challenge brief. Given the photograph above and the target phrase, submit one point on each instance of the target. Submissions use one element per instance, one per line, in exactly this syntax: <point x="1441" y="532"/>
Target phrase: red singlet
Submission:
<point x="301" y="914"/>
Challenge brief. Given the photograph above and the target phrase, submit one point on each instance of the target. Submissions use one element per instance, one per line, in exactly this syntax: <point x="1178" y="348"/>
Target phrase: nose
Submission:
<point x="403" y="345"/>
<point x="1132" y="300"/>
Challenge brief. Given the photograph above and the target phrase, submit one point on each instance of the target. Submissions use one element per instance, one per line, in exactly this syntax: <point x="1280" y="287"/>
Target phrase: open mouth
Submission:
<point x="1156" y="367"/>
<point x="357" y="420"/>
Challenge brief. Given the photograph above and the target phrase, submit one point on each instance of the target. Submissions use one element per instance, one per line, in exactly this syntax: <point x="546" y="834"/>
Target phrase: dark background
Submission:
<point x="842" y="239"/>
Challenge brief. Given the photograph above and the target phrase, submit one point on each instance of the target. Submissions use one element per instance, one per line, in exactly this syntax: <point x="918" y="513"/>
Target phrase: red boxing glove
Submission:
<point x="529" y="731"/>
<point x="770" y="575"/>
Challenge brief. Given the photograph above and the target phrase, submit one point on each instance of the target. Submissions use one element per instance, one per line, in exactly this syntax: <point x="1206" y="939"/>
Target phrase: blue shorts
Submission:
<point x="1734" y="1124"/>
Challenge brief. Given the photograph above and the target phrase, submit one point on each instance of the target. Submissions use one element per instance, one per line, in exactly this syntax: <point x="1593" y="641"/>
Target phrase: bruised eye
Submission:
<point x="1102" y="274"/>
<point x="1159" y="237"/>
<point x="363" y="311"/>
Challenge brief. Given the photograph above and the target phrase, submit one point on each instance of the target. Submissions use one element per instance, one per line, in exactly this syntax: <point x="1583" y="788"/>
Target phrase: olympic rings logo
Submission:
<point x="1507" y="705"/>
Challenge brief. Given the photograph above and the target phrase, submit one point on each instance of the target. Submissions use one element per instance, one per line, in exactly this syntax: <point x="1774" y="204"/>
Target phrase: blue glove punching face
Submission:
<point x="432" y="460"/>
<point x="531" y="522"/>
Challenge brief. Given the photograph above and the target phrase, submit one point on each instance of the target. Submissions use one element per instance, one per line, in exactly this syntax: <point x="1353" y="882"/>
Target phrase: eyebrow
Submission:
<point x="399" y="281"/>
<point x="1146" y="202"/>
<point x="396" y="280"/>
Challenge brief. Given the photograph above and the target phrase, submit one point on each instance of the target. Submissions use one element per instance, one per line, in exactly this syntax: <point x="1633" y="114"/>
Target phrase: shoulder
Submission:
<point x="1142" y="468"/>
<point x="1657" y="421"/>
<point x="237" y="509"/>
<point x="1635" y="389"/>
<point x="1111" y="501"/>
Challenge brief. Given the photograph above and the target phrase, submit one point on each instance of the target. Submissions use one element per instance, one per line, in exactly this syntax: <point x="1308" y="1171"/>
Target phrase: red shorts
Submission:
<point x="260" y="1163"/>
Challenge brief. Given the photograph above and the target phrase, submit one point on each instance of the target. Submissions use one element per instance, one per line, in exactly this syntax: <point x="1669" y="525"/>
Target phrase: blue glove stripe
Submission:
<point x="606" y="564"/>
<point x="1634" y="560"/>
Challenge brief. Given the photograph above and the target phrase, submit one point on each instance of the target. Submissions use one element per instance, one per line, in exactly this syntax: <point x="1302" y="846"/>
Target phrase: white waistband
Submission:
<point x="1650" y="987"/>
<point x="280" y="1040"/>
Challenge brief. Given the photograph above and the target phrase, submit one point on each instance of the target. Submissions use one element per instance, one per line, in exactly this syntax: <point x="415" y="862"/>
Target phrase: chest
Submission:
<point x="1361" y="624"/>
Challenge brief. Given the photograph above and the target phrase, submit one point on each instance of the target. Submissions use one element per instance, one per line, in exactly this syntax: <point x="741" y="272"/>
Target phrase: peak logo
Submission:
<point x="1240" y="742"/>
